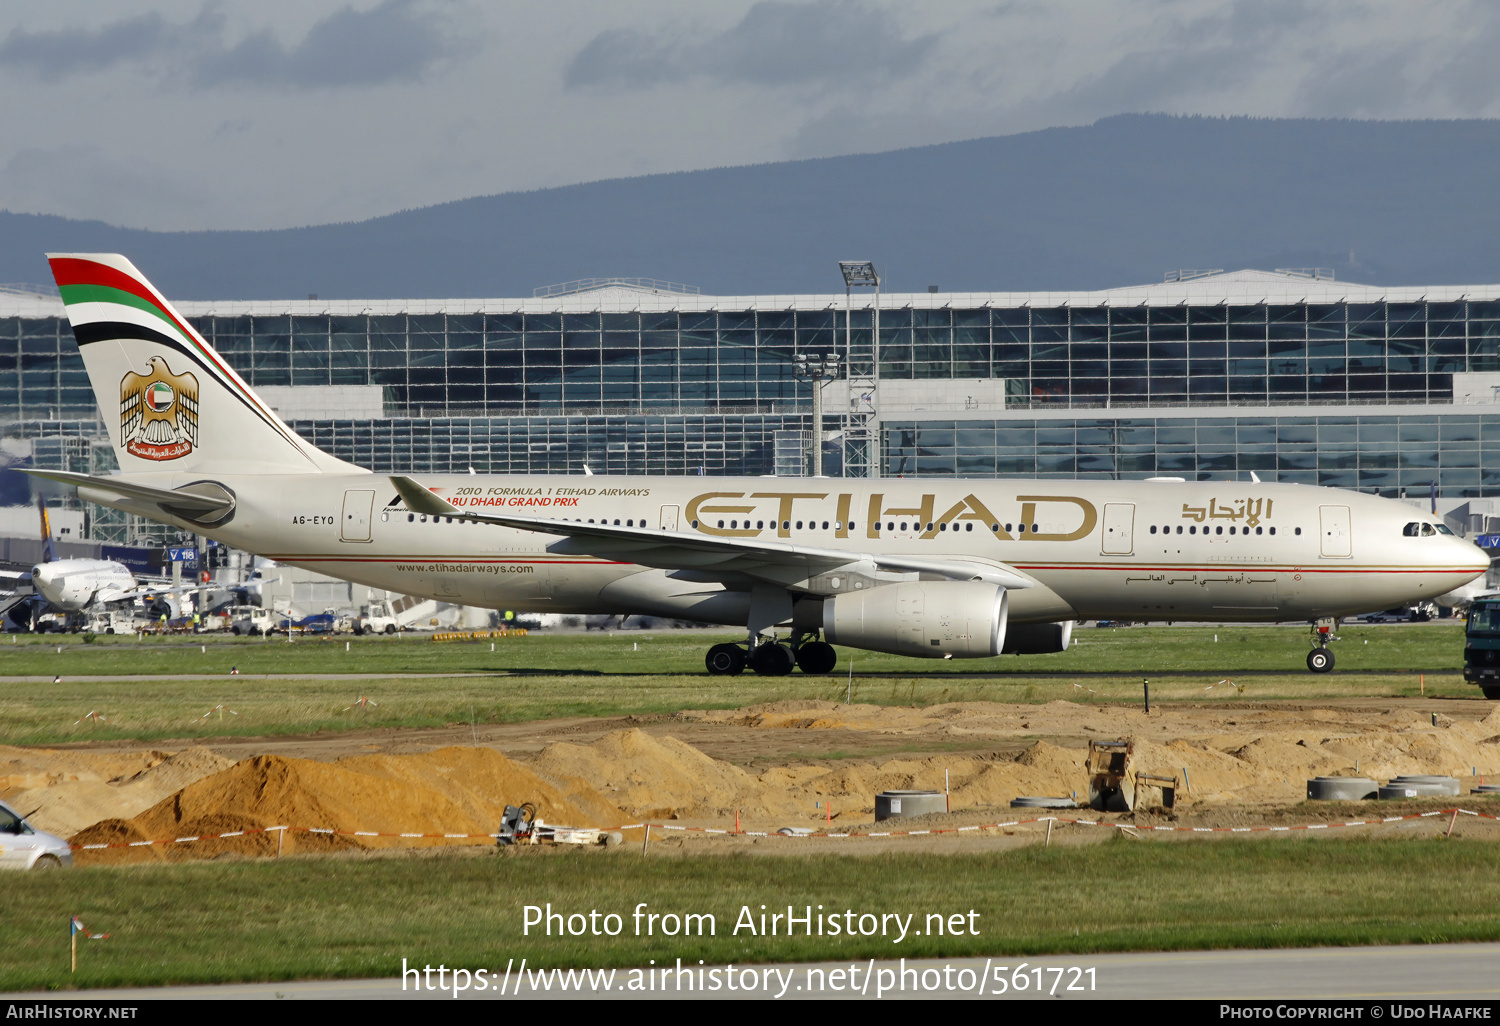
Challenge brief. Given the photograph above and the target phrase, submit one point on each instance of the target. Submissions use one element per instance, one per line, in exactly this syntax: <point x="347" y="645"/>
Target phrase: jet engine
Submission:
<point x="1037" y="638"/>
<point x="933" y="619"/>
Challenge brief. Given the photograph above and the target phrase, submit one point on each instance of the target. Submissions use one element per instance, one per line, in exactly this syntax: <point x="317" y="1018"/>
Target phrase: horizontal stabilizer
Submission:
<point x="189" y="503"/>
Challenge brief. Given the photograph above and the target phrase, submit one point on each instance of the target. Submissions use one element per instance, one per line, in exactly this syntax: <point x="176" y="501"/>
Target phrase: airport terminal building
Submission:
<point x="1289" y="374"/>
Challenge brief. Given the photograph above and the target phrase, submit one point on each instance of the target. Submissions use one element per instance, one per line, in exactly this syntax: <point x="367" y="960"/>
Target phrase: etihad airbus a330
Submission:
<point x="919" y="566"/>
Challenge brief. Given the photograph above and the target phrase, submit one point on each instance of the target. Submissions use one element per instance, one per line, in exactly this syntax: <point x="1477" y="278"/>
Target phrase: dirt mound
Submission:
<point x="790" y="705"/>
<point x="448" y="791"/>
<point x="181" y="769"/>
<point x="644" y="773"/>
<point x="66" y="806"/>
<point x="26" y="768"/>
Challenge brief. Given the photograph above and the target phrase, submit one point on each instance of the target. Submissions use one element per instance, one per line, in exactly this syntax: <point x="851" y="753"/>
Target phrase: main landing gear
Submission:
<point x="1320" y="659"/>
<point x="771" y="658"/>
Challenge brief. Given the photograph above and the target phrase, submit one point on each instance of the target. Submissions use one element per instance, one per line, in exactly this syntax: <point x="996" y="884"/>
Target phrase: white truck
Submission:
<point x="109" y="621"/>
<point x="376" y="618"/>
<point x="251" y="620"/>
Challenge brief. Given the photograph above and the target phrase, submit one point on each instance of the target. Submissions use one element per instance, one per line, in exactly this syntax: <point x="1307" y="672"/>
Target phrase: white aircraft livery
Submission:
<point x="918" y="566"/>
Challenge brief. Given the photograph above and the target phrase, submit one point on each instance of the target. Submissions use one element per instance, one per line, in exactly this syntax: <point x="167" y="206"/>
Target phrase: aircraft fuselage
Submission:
<point x="1141" y="550"/>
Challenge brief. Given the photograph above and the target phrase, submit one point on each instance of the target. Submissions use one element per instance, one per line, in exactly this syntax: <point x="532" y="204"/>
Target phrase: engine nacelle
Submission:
<point x="932" y="619"/>
<point x="1037" y="638"/>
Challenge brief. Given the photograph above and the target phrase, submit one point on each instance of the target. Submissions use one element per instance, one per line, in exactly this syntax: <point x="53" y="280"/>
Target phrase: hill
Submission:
<point x="1113" y="203"/>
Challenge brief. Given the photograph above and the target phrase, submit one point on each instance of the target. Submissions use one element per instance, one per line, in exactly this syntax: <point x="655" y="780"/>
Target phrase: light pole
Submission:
<point x="817" y="368"/>
<point x="863" y="378"/>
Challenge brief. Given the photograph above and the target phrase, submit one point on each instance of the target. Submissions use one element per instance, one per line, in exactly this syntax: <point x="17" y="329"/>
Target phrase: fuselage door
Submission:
<point x="669" y="518"/>
<point x="1333" y="522"/>
<point x="355" y="525"/>
<point x="1117" y="535"/>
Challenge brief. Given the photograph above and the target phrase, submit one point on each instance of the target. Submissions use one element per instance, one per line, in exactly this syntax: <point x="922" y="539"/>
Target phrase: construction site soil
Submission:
<point x="806" y="764"/>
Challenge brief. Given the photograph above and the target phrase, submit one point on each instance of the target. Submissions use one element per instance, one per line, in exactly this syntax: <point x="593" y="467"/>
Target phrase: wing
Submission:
<point x="131" y="386"/>
<point x="186" y="387"/>
<point x="715" y="558"/>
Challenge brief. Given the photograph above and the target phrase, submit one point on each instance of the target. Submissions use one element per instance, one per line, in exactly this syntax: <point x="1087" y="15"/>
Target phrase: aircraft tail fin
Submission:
<point x="50" y="550"/>
<point x="170" y="402"/>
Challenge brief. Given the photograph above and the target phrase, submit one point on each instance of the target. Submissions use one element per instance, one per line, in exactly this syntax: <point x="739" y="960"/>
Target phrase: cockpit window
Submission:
<point x="1443" y="529"/>
<point x="1412" y="529"/>
<point x="1417" y="529"/>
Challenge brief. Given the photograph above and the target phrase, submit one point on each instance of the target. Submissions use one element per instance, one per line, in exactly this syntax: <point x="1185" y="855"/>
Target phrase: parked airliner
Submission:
<point x="918" y="566"/>
<point x="75" y="585"/>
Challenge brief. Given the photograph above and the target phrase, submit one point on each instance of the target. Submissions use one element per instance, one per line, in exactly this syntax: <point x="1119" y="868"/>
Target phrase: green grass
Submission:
<point x="635" y="673"/>
<point x="1158" y="649"/>
<point x="354" y="917"/>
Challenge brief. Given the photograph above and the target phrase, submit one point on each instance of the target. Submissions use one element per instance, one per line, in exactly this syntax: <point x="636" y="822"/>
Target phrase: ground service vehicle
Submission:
<point x="251" y="620"/>
<point x="376" y="618"/>
<point x="1482" y="645"/>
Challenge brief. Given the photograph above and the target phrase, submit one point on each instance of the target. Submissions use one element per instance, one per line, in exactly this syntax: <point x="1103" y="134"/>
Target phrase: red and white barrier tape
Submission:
<point x="1061" y="820"/>
<point x="823" y="836"/>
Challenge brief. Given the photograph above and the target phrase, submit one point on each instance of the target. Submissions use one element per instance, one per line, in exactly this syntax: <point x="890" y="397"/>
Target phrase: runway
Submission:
<point x="1427" y="973"/>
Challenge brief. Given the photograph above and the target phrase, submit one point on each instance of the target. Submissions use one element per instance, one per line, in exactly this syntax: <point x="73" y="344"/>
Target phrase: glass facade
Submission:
<point x="1386" y="453"/>
<point x="731" y="444"/>
<point x="511" y="364"/>
<point x="1180" y="379"/>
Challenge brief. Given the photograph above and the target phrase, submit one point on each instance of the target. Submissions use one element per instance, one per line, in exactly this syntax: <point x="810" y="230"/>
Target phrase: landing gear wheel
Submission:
<point x="1320" y="660"/>
<point x="816" y="657"/>
<point x="725" y="660"/>
<point x="772" y="660"/>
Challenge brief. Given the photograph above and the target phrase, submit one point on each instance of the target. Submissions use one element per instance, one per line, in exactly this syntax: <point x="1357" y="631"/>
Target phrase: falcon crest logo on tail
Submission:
<point x="159" y="412"/>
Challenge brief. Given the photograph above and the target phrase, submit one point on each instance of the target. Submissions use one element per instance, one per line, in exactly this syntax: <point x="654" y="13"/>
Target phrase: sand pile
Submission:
<point x="26" y="768"/>
<point x="1244" y="754"/>
<point x="451" y="790"/>
<point x="654" y="776"/>
<point x="67" y="806"/>
<point x="957" y="719"/>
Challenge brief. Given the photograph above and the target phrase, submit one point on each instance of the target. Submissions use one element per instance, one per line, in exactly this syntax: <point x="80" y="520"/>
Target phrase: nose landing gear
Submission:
<point x="1320" y="659"/>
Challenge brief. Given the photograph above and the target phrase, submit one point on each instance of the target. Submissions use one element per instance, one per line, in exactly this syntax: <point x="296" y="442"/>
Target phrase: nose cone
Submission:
<point x="1468" y="562"/>
<point x="47" y="582"/>
<point x="1471" y="556"/>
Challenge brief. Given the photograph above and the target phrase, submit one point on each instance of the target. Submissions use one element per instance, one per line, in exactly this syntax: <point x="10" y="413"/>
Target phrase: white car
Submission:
<point x="22" y="846"/>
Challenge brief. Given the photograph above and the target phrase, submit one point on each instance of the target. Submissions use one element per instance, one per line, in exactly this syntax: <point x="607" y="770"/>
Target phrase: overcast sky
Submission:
<point x="174" y="114"/>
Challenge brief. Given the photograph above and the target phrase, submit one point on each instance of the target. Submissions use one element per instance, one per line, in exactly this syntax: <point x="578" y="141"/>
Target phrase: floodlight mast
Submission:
<point x="816" y="367"/>
<point x="862" y="433"/>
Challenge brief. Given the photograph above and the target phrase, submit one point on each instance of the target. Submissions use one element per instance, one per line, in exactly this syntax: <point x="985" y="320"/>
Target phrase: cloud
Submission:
<point x="776" y="43"/>
<point x="395" y="41"/>
<point x="392" y="42"/>
<point x="85" y="182"/>
<point x="60" y="54"/>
